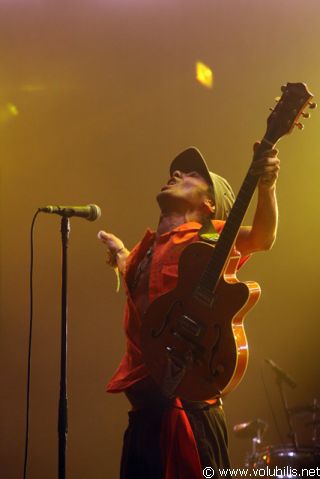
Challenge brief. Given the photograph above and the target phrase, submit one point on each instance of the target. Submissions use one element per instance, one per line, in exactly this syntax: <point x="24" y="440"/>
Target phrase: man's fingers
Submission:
<point x="113" y="243"/>
<point x="256" y="146"/>
<point x="264" y="162"/>
<point x="108" y="238"/>
<point x="270" y="153"/>
<point x="266" y="153"/>
<point x="111" y="258"/>
<point x="103" y="236"/>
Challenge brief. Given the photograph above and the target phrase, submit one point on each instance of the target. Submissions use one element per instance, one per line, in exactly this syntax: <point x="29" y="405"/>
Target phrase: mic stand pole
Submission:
<point x="63" y="400"/>
<point x="292" y="434"/>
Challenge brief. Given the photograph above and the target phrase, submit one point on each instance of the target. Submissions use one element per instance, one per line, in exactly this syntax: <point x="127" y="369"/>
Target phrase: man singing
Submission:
<point x="169" y="438"/>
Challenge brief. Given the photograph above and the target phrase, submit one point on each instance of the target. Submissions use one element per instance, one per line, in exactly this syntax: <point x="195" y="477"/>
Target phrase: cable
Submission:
<point x="29" y="348"/>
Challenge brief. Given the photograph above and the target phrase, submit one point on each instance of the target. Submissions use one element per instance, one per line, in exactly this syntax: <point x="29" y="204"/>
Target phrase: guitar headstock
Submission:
<point x="286" y="114"/>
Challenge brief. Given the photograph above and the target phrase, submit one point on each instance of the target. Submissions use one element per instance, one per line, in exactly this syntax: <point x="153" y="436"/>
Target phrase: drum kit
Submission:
<point x="284" y="461"/>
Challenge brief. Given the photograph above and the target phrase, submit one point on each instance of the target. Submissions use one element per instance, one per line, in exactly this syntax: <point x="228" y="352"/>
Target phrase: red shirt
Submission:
<point x="178" y="445"/>
<point x="162" y="278"/>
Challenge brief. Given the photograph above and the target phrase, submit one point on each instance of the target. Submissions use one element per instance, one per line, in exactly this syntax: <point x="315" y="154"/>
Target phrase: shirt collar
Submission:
<point x="187" y="227"/>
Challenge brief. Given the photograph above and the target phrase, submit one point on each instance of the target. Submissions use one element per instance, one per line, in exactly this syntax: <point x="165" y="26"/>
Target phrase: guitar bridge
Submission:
<point x="193" y="350"/>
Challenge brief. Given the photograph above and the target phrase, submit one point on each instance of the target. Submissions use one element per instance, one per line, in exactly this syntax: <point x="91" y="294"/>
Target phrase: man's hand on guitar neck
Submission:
<point x="262" y="234"/>
<point x="267" y="167"/>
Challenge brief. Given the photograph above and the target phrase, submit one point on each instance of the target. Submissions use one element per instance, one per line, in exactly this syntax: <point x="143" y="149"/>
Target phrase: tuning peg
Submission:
<point x="305" y="115"/>
<point x="277" y="99"/>
<point x="312" y="105"/>
<point x="299" y="125"/>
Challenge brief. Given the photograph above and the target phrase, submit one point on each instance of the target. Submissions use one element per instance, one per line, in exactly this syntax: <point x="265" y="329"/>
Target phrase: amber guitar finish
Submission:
<point x="194" y="335"/>
<point x="192" y="338"/>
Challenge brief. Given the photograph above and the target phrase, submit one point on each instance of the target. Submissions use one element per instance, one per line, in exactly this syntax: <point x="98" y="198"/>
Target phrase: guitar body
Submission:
<point x="192" y="338"/>
<point x="193" y="349"/>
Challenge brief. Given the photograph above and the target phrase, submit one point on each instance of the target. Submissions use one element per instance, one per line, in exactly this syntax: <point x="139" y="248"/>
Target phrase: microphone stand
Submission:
<point x="63" y="400"/>
<point x="292" y="433"/>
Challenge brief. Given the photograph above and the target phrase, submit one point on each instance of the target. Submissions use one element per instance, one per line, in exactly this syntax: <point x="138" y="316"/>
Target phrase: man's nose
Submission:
<point x="177" y="173"/>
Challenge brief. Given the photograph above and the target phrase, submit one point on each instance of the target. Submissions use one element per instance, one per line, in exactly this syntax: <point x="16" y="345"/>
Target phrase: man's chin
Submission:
<point x="164" y="196"/>
<point x="169" y="203"/>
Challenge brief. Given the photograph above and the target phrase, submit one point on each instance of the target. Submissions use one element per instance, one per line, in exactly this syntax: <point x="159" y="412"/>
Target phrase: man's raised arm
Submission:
<point x="261" y="235"/>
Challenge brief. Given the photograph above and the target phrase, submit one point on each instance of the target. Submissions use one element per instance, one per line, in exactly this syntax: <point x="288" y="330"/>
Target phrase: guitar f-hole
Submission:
<point x="164" y="324"/>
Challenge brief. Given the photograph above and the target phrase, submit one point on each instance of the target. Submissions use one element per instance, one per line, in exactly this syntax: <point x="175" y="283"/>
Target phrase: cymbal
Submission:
<point x="250" y="429"/>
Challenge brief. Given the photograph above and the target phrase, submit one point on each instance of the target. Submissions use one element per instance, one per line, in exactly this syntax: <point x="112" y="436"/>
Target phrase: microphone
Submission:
<point x="89" y="212"/>
<point x="281" y="374"/>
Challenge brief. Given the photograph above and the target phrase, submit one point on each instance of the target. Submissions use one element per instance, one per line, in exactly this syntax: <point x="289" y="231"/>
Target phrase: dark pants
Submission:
<point x="141" y="455"/>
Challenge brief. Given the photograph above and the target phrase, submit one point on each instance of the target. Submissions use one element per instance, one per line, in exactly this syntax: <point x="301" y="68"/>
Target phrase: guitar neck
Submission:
<point x="231" y="228"/>
<point x="281" y="121"/>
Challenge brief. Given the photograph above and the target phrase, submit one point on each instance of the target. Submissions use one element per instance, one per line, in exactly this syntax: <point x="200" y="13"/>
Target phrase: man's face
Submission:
<point x="184" y="191"/>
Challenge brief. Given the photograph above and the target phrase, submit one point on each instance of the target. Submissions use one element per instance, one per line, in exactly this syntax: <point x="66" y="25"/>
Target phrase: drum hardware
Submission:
<point x="283" y="378"/>
<point x="313" y="408"/>
<point x="315" y="420"/>
<point x="280" y="461"/>
<point x="255" y="430"/>
<point x="286" y="459"/>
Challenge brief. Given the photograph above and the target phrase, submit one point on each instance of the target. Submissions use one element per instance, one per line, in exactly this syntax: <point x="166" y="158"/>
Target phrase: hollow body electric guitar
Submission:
<point x="192" y="338"/>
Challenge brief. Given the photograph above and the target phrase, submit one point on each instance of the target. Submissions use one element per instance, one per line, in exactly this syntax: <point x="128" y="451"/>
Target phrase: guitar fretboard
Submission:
<point x="216" y="264"/>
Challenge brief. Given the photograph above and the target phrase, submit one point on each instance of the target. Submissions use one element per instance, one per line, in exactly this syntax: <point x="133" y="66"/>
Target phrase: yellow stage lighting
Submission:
<point x="204" y="75"/>
<point x="12" y="109"/>
<point x="33" y="87"/>
<point x="7" y="112"/>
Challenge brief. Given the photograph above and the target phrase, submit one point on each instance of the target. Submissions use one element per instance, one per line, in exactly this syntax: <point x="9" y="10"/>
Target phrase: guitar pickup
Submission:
<point x="204" y="296"/>
<point x="189" y="326"/>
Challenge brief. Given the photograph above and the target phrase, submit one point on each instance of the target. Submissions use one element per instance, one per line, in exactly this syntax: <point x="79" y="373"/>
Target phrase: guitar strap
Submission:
<point x="208" y="233"/>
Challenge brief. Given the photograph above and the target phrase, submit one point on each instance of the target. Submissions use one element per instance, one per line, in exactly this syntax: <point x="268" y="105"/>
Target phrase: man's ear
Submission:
<point x="209" y="206"/>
